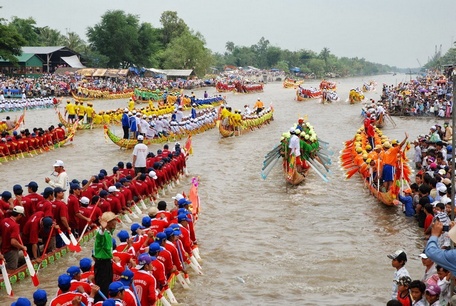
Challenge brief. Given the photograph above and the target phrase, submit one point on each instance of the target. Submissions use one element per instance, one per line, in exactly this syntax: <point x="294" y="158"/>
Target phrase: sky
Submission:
<point x="401" y="33"/>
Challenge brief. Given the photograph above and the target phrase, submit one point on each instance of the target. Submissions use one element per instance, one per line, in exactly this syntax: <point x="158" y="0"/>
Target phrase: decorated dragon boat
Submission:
<point x="236" y="124"/>
<point x="85" y="94"/>
<point x="303" y="94"/>
<point x="290" y="83"/>
<point x="325" y="84"/>
<point x="358" y="156"/>
<point x="15" y="149"/>
<point x="355" y="97"/>
<point x="329" y="96"/>
<point x="172" y="136"/>
<point x="300" y="150"/>
<point x="17" y="124"/>
<point x="239" y="87"/>
<point x="369" y="86"/>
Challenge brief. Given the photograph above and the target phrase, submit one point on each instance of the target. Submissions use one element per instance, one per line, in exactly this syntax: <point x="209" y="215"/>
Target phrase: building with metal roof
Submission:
<point x="55" y="56"/>
<point x="28" y="65"/>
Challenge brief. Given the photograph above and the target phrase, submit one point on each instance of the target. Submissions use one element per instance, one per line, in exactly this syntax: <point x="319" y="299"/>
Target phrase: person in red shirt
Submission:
<point x="127" y="280"/>
<point x="73" y="207"/>
<point x="67" y="296"/>
<point x="114" y="199"/>
<point x="45" y="205"/>
<point x="157" y="223"/>
<point x="34" y="197"/>
<point x="36" y="229"/>
<point x="144" y="281"/>
<point x="163" y="255"/>
<point x="10" y="234"/>
<point x="162" y="212"/>
<point x="389" y="160"/>
<point x="60" y="211"/>
<point x="59" y="133"/>
<point x="85" y="264"/>
<point x="6" y="201"/>
<point x="24" y="202"/>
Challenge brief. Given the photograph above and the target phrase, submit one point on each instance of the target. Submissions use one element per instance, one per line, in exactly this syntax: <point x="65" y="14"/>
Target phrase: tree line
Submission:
<point x="120" y="40"/>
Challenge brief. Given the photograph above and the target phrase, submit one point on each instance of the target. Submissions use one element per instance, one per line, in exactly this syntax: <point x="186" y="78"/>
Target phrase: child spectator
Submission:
<point x="417" y="289"/>
<point x="403" y="293"/>
<point x="432" y="295"/>
<point x="398" y="260"/>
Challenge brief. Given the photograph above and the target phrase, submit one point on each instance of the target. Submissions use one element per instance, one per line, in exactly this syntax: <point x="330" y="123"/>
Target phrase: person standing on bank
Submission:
<point x="140" y="152"/>
<point x="61" y="180"/>
<point x="103" y="252"/>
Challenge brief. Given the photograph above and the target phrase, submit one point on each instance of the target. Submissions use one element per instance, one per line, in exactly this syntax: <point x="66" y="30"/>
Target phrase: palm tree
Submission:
<point x="74" y="42"/>
<point x="324" y="54"/>
<point x="50" y="37"/>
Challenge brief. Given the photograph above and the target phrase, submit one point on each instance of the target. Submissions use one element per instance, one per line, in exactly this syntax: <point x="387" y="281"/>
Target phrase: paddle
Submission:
<point x="67" y="241"/>
<point x="74" y="243"/>
<point x="35" y="280"/>
<point x="6" y="279"/>
<point x="181" y="280"/>
<point x="324" y="178"/>
<point x="45" y="248"/>
<point x="267" y="170"/>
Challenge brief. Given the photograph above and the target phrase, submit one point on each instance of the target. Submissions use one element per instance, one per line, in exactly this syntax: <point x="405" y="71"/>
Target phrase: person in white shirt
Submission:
<point x="140" y="152"/>
<point x="398" y="260"/>
<point x="61" y="180"/>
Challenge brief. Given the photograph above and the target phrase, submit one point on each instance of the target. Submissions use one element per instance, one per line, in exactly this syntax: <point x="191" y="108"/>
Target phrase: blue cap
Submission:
<point x="32" y="184"/>
<point x="84" y="182"/>
<point x="22" y="301"/>
<point x="182" y="217"/>
<point x="73" y="271"/>
<point x="74" y="186"/>
<point x="154" y="247"/>
<point x="124" y="180"/>
<point x="183" y="202"/>
<point x="160" y="237"/>
<point x="6" y="195"/>
<point x="169" y="232"/>
<point x="118" y="185"/>
<point x="64" y="280"/>
<point x="135" y="226"/>
<point x="85" y="264"/>
<point x="120" y="164"/>
<point x="103" y="193"/>
<point x="123" y="235"/>
<point x="126" y="277"/>
<point x="40" y="296"/>
<point x="115" y="287"/>
<point x="114" y="243"/>
<point x="146" y="221"/>
<point x="104" y="172"/>
<point x="48" y="191"/>
<point x="176" y="229"/>
<point x="181" y="211"/>
<point x="75" y="181"/>
<point x="17" y="188"/>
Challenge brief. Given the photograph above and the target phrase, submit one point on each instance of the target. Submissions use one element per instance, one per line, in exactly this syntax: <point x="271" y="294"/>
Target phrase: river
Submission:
<point x="263" y="242"/>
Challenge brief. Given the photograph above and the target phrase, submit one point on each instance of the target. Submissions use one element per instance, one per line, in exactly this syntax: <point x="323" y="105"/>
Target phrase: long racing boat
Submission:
<point x="358" y="156"/>
<point x="236" y="127"/>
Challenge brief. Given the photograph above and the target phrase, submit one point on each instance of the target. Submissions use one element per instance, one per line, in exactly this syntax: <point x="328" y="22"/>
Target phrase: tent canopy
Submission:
<point x="73" y="61"/>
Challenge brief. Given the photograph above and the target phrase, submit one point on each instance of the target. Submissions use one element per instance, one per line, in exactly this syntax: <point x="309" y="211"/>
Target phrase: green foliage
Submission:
<point x="116" y="37"/>
<point x="187" y="51"/>
<point x="27" y="29"/>
<point x="11" y="43"/>
<point x="50" y="37"/>
<point x="173" y="26"/>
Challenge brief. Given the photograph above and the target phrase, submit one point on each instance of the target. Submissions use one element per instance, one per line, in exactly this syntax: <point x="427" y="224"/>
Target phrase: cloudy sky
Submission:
<point x="394" y="32"/>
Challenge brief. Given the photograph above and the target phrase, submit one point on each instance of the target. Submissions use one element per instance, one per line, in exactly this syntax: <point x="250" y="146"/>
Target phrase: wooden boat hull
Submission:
<point x="245" y="126"/>
<point x="292" y="84"/>
<point x="306" y="94"/>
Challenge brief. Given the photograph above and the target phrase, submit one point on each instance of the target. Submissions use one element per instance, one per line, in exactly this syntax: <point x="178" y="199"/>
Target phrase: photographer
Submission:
<point x="444" y="258"/>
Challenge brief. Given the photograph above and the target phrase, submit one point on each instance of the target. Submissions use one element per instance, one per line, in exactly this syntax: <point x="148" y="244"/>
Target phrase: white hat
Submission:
<point x="58" y="163"/>
<point x="442" y="172"/>
<point x="153" y="175"/>
<point x="178" y="197"/>
<point x="126" y="110"/>
<point x="433" y="127"/>
<point x="423" y="255"/>
<point x="442" y="188"/>
<point x="130" y="114"/>
<point x="84" y="201"/>
<point x="19" y="210"/>
<point x="112" y="189"/>
<point x="140" y="137"/>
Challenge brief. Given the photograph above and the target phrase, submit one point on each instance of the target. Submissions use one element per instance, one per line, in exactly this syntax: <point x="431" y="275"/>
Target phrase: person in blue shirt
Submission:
<point x="407" y="201"/>
<point x="441" y="257"/>
<point x="133" y="126"/>
<point x="193" y="111"/>
<point x="125" y="123"/>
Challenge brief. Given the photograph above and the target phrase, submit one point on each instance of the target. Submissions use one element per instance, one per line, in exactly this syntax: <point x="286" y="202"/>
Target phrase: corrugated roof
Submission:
<point x="178" y="72"/>
<point x="41" y="50"/>
<point x="24" y="57"/>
